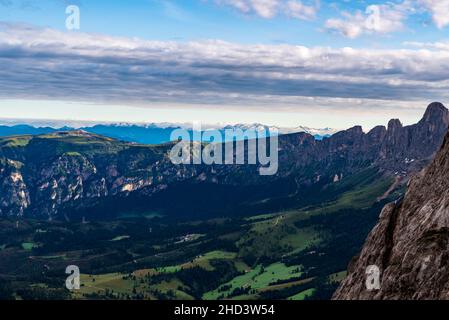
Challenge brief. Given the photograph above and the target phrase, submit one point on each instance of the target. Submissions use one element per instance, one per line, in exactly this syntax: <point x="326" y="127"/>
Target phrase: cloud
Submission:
<point x="388" y="17"/>
<point x="439" y="10"/>
<point x="270" y="8"/>
<point x="441" y="45"/>
<point x="376" y="19"/>
<point x="49" y="64"/>
<point x="298" y="10"/>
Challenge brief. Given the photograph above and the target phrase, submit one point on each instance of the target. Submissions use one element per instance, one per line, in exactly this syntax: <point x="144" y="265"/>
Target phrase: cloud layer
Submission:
<point x="376" y="18"/>
<point x="48" y="64"/>
<point x="383" y="18"/>
<point x="270" y="8"/>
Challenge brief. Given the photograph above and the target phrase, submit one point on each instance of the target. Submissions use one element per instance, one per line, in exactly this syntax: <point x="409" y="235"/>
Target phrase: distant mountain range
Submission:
<point x="55" y="173"/>
<point x="152" y="133"/>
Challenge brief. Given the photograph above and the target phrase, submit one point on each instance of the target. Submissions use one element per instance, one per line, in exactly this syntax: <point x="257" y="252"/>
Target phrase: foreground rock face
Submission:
<point x="410" y="244"/>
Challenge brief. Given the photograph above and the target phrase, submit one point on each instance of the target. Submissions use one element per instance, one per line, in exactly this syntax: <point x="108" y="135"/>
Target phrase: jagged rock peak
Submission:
<point x="353" y="132"/>
<point x="378" y="131"/>
<point x="436" y="111"/>
<point x="356" y="130"/>
<point x="394" y="124"/>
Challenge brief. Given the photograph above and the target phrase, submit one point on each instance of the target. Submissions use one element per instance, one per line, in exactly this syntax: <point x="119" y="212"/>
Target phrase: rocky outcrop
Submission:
<point x="69" y="178"/>
<point x="410" y="244"/>
<point x="14" y="199"/>
<point x="397" y="150"/>
<point x="412" y="143"/>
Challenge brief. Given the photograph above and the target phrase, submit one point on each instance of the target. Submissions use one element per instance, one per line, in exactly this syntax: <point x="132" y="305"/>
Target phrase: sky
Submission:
<point x="278" y="62"/>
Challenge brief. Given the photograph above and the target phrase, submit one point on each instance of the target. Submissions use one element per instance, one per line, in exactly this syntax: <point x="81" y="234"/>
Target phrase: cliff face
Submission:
<point x="417" y="141"/>
<point x="43" y="175"/>
<point x="47" y="174"/>
<point x="410" y="244"/>
<point x="14" y="193"/>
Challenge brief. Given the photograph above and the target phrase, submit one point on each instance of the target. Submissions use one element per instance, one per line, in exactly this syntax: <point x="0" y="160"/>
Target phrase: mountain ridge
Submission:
<point x="409" y="245"/>
<point x="47" y="174"/>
